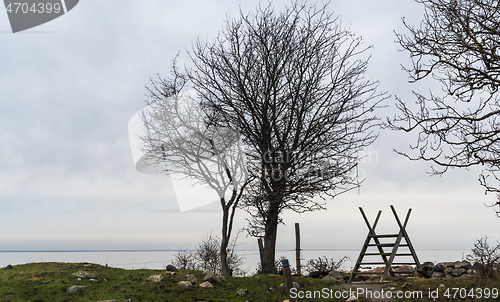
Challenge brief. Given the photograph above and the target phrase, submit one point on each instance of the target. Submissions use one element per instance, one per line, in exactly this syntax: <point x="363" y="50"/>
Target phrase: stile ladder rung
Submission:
<point x="386" y="244"/>
<point x="385" y="236"/>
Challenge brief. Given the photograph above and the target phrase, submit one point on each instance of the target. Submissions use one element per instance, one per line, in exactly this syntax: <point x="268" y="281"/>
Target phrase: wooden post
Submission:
<point x="297" y="249"/>
<point x="288" y="278"/>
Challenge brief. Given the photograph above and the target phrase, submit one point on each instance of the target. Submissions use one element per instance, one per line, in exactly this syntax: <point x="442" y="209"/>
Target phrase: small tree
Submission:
<point x="457" y="44"/>
<point x="179" y="137"/>
<point x="485" y="257"/>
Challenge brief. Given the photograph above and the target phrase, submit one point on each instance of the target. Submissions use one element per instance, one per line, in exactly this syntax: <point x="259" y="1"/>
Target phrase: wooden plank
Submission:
<point x="385" y="236"/>
<point x="407" y="238"/>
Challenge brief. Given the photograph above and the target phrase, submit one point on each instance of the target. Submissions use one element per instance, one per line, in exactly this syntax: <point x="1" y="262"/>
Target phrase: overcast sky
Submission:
<point x="67" y="179"/>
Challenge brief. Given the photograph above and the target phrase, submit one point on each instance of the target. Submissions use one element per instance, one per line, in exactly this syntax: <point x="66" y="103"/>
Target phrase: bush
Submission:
<point x="206" y="257"/>
<point x="485" y="258"/>
<point x="184" y="259"/>
<point x="323" y="265"/>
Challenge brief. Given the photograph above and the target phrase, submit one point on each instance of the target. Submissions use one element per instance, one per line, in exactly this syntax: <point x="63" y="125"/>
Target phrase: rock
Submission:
<point x="404" y="269"/>
<point x="204" y="273"/>
<point x="352" y="299"/>
<point x="329" y="278"/>
<point x="8" y="267"/>
<point x="76" y="289"/>
<point x="184" y="284"/>
<point x="93" y="280"/>
<point x="336" y="275"/>
<point x="470" y="272"/>
<point x="129" y="300"/>
<point x="436" y="275"/>
<point x="190" y="277"/>
<point x="271" y="289"/>
<point x="462" y="264"/>
<point x="442" y="286"/>
<point x="206" y="284"/>
<point x="212" y="277"/>
<point x="84" y="275"/>
<point x="194" y="281"/>
<point x="155" y="278"/>
<point x="172" y="273"/>
<point x="426" y="269"/>
<point x="242" y="292"/>
<point x="458" y="272"/>
<point x="448" y="271"/>
<point x="171" y="268"/>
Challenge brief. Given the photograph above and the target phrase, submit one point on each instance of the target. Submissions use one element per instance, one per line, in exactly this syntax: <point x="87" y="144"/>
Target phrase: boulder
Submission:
<point x="212" y="277"/>
<point x="448" y="271"/>
<point x="404" y="269"/>
<point x="155" y="278"/>
<point x="84" y="275"/>
<point x="171" y="268"/>
<point x="336" y="275"/>
<point x="470" y="272"/>
<point x="426" y="269"/>
<point x="206" y="284"/>
<point x="184" y="284"/>
<point x="462" y="264"/>
<point x="329" y="278"/>
<point x="436" y="275"/>
<point x="8" y="266"/>
<point x="242" y="292"/>
<point x="76" y="289"/>
<point x="190" y="277"/>
<point x="458" y="272"/>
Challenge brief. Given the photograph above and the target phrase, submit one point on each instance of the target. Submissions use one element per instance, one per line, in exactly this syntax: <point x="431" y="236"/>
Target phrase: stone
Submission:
<point x="462" y="264"/>
<point x="470" y="272"/>
<point x="194" y="281"/>
<point x="171" y="268"/>
<point x="436" y="275"/>
<point x="8" y="266"/>
<point x="448" y="271"/>
<point x="190" y="277"/>
<point x="329" y="278"/>
<point x="352" y="299"/>
<point x="155" y="278"/>
<point x="242" y="292"/>
<point x="93" y="280"/>
<point x="426" y="269"/>
<point x="172" y="273"/>
<point x="76" y="289"/>
<point x="336" y="275"/>
<point x="271" y="289"/>
<point x="442" y="286"/>
<point x="84" y="275"/>
<point x="404" y="269"/>
<point x="184" y="284"/>
<point x="129" y="300"/>
<point x="206" y="284"/>
<point x="210" y="277"/>
<point x="458" y="272"/>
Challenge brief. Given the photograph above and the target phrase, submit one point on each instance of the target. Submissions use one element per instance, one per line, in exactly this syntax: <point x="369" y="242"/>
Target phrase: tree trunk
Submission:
<point x="225" y="270"/>
<point x="270" y="235"/>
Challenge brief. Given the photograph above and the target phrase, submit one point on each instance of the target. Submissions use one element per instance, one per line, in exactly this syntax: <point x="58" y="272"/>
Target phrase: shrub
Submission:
<point x="485" y="257"/>
<point x="323" y="265"/>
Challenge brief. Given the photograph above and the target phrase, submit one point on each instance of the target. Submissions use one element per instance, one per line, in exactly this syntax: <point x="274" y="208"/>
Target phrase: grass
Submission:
<point x="37" y="282"/>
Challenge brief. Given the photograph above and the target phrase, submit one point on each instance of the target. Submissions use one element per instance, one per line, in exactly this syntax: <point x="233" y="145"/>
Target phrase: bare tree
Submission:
<point x="292" y="84"/>
<point x="180" y="138"/>
<point x="485" y="258"/>
<point x="457" y="44"/>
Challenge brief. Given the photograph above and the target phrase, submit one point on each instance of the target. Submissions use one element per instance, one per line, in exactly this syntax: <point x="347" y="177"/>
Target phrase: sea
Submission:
<point x="159" y="259"/>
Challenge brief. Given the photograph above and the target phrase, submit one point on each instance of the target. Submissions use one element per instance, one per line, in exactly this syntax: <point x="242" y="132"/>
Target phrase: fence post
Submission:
<point x="288" y="278"/>
<point x="297" y="249"/>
